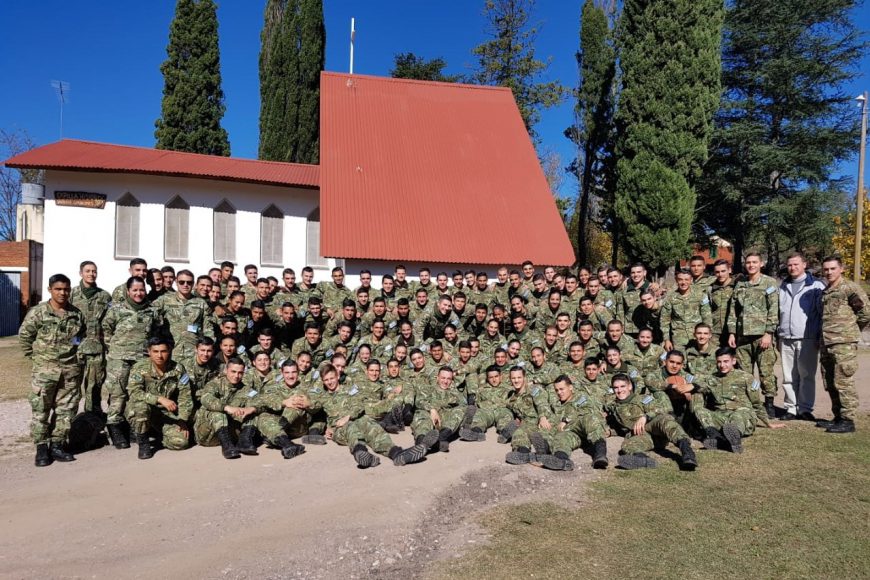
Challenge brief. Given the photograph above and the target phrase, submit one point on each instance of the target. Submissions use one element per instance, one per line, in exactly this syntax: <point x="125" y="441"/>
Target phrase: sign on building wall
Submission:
<point x="80" y="199"/>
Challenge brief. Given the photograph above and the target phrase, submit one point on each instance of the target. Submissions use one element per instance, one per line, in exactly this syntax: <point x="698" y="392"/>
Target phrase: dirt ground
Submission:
<point x="194" y="514"/>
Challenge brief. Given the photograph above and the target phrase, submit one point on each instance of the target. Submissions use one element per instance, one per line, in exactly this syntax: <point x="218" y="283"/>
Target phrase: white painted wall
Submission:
<point x="74" y="234"/>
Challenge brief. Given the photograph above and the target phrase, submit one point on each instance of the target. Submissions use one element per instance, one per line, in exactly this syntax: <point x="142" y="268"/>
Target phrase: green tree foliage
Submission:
<point x="783" y="125"/>
<point x="292" y="55"/>
<point x="193" y="101"/>
<point x="592" y="131"/>
<point x="670" y="61"/>
<point x="508" y="59"/>
<point x="410" y="66"/>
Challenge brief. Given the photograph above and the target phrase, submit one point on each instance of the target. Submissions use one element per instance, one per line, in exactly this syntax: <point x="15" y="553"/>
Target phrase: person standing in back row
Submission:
<point x="800" y="325"/>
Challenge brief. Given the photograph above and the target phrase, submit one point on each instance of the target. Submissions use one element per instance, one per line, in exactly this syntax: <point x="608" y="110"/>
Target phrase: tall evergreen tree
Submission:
<point x="783" y="125"/>
<point x="508" y="59"/>
<point x="292" y="54"/>
<point x="592" y="131"/>
<point x="670" y="61"/>
<point x="193" y="101"/>
<point x="408" y="65"/>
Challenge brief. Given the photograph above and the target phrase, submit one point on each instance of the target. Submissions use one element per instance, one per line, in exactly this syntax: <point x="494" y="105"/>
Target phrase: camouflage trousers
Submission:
<point x="450" y="419"/>
<point x="662" y="429"/>
<point x="93" y="376"/>
<point x="680" y="339"/>
<point x="206" y="424"/>
<point x="184" y="350"/>
<point x="147" y="419"/>
<point x="587" y="428"/>
<point x="54" y="401"/>
<point x="291" y="422"/>
<point x="744" y="419"/>
<point x="486" y="418"/>
<point x="366" y="430"/>
<point x="750" y="355"/>
<point x="839" y="363"/>
<point x="117" y="375"/>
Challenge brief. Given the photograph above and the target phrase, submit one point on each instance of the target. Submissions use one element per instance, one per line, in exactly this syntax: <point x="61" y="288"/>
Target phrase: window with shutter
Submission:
<point x="312" y="254"/>
<point x="224" y="232"/>
<point x="175" y="230"/>
<point x="272" y="237"/>
<point x="127" y="227"/>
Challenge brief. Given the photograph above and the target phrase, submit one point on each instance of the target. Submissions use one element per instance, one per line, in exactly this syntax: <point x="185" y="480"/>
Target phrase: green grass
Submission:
<point x="796" y="503"/>
<point x="15" y="382"/>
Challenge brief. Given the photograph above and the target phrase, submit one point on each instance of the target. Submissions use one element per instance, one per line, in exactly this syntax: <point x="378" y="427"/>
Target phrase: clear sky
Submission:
<point x="110" y="53"/>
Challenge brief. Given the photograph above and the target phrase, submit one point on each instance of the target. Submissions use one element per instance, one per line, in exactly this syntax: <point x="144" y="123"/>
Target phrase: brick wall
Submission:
<point x="24" y="256"/>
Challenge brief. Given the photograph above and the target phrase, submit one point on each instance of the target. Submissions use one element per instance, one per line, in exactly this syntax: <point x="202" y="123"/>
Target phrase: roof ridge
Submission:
<point x="416" y="81"/>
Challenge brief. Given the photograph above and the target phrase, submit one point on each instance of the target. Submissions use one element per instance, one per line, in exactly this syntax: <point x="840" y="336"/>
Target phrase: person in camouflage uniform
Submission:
<point x="616" y="337"/>
<point x="651" y="354"/>
<point x="698" y="270"/>
<point x="93" y="302"/>
<point x="679" y="385"/>
<point x="700" y="352"/>
<point x="335" y="293"/>
<point x="492" y="411"/>
<point x="50" y="336"/>
<point x="720" y="295"/>
<point x="201" y="368"/>
<point x="138" y="269"/>
<point x="646" y="422"/>
<point x="184" y="315"/>
<point x="160" y="400"/>
<point x="845" y="313"/>
<point x="628" y="298"/>
<point x="127" y="326"/>
<point x="531" y="406"/>
<point x="682" y="310"/>
<point x="731" y="404"/>
<point x="286" y="411"/>
<point x="225" y="405"/>
<point x="615" y="364"/>
<point x="753" y="315"/>
<point x="440" y="408"/>
<point x="429" y="325"/>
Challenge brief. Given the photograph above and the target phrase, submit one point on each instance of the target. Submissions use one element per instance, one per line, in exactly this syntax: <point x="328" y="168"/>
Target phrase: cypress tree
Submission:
<point x="408" y="65"/>
<point x="670" y="61"/>
<point x="193" y="101"/>
<point x="312" y="58"/>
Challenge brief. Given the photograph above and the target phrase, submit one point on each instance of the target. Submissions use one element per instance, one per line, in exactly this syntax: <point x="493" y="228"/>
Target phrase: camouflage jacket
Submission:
<point x="626" y="412"/>
<point x="650" y="360"/>
<point x="185" y="320"/>
<point x="544" y="375"/>
<point x="93" y="309"/>
<point x="434" y="397"/>
<point x="720" y="295"/>
<point x="333" y="295"/>
<point x="700" y="362"/>
<point x="754" y="308"/>
<point x="147" y="384"/>
<point x="845" y="313"/>
<point x="681" y="312"/>
<point x="49" y="338"/>
<point x="430" y="324"/>
<point x="627" y="301"/>
<point x="127" y="330"/>
<point x="200" y="375"/>
<point x="529" y="404"/>
<point x="736" y="390"/>
<point x="219" y="393"/>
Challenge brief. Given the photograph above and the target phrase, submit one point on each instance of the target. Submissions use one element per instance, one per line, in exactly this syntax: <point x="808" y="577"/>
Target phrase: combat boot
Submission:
<point x="246" y="444"/>
<point x="473" y="434"/>
<point x="470" y="412"/>
<point x="825" y="423"/>
<point x="688" y="460"/>
<point x="363" y="458"/>
<point x="733" y="436"/>
<point x="146" y="451"/>
<point x="520" y="456"/>
<point x="289" y="450"/>
<point x="599" y="454"/>
<point x="388" y="424"/>
<point x="559" y="461"/>
<point x="407" y="413"/>
<point x="842" y="426"/>
<point x="768" y="406"/>
<point x="636" y="461"/>
<point x="116" y="434"/>
<point x="539" y="443"/>
<point x="712" y="438"/>
<point x="398" y="416"/>
<point x="444" y="436"/>
<point x="314" y="437"/>
<point x="413" y="454"/>
<point x="58" y="453"/>
<point x="506" y="434"/>
<point x="228" y="449"/>
<point x="43" y="457"/>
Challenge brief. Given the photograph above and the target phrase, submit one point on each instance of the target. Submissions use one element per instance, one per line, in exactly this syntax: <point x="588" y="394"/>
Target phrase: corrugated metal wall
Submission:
<point x="10" y="302"/>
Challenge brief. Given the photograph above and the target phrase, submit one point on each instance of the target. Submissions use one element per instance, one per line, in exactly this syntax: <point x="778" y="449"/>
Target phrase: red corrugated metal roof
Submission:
<point x="75" y="155"/>
<point x="432" y="172"/>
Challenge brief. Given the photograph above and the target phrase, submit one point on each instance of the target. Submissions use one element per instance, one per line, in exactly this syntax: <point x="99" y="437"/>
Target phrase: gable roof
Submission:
<point x="438" y="172"/>
<point x="75" y="155"/>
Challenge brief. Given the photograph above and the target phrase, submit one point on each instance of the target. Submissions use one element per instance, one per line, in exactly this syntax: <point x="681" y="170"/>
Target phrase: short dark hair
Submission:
<point x="64" y="279"/>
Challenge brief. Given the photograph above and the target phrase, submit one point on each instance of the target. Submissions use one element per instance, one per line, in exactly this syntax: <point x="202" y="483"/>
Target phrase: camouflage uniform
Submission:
<point x="492" y="408"/>
<point x="430" y="324"/>
<point x="211" y="417"/>
<point x="576" y="420"/>
<point x="605" y="299"/>
<point x="318" y="351"/>
<point x="544" y="375"/>
<point x="51" y="341"/>
<point x="450" y="404"/>
<point x="627" y="302"/>
<point x="186" y="320"/>
<point x="126" y="329"/>
<point x="334" y="295"/>
<point x="753" y="312"/>
<point x="650" y="360"/>
<point x="680" y="314"/>
<point x="146" y="385"/>
<point x="275" y="419"/>
<point x="528" y="406"/>
<point x="700" y="362"/>
<point x="200" y="375"/>
<point x="350" y="400"/>
<point x="720" y="295"/>
<point x="627" y="348"/>
<point x="660" y="427"/>
<point x="845" y="313"/>
<point x="93" y="303"/>
<point x="732" y="398"/>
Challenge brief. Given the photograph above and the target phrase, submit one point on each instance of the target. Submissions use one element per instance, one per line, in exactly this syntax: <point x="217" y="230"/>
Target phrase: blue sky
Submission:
<point x="110" y="53"/>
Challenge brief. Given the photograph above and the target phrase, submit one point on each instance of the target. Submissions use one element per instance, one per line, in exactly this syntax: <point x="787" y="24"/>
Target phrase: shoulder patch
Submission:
<point x="521" y="364"/>
<point x="770" y="290"/>
<point x="705" y="300"/>
<point x="252" y="393"/>
<point x="389" y="347"/>
<point x="329" y="353"/>
<point x="633" y="374"/>
<point x="755" y="385"/>
<point x="609" y="303"/>
<point x="184" y="379"/>
<point x="392" y="324"/>
<point x="250" y="324"/>
<point x="315" y="375"/>
<point x="353" y="390"/>
<point x="315" y="390"/>
<point x="581" y="401"/>
<point x="690" y="378"/>
<point x="241" y="349"/>
<point x="647" y="400"/>
<point x="535" y="391"/>
<point x="663" y="356"/>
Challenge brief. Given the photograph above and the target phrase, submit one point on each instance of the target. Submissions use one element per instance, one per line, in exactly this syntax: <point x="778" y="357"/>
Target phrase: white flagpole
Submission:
<point x="352" y="33"/>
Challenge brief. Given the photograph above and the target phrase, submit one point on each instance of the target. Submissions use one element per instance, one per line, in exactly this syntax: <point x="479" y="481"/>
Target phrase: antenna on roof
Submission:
<point x="352" y="34"/>
<point x="62" y="89"/>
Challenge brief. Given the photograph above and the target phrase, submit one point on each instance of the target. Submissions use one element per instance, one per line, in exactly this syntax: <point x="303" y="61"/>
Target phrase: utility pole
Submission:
<point x="859" y="197"/>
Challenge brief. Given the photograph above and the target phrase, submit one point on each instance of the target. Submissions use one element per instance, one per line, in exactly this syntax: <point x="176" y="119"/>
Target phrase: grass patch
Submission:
<point x="15" y="383"/>
<point x="795" y="504"/>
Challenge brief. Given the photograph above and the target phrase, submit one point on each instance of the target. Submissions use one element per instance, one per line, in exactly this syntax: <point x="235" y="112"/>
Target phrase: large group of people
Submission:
<point x="551" y="361"/>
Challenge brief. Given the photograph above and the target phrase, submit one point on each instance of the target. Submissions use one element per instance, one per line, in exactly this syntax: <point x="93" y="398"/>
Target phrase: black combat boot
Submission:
<point x="388" y="424"/>
<point x="398" y="415"/>
<point x="289" y="450"/>
<point x="733" y="436"/>
<point x="413" y="454"/>
<point x="471" y="400"/>
<point x="428" y="439"/>
<point x="59" y="453"/>
<point x="520" y="456"/>
<point x="363" y="458"/>
<point x="636" y="461"/>
<point x="688" y="461"/>
<point x="473" y="434"/>
<point x="228" y="448"/>
<point x="539" y="443"/>
<point x="842" y="426"/>
<point x="506" y="434"/>
<point x="394" y="452"/>
<point x="768" y="406"/>
<point x="407" y="413"/>
<point x="444" y="436"/>
<point x="599" y="454"/>
<point x="116" y="434"/>
<point x="146" y="451"/>
<point x="314" y="437"/>
<point x="43" y="457"/>
<point x="712" y="438"/>
<point x="470" y="412"/>
<point x="247" y="444"/>
<point x="559" y="461"/>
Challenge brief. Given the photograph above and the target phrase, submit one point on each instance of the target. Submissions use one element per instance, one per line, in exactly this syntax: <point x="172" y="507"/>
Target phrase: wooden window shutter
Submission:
<point x="312" y="254"/>
<point x="176" y="228"/>
<point x="127" y="227"/>
<point x="224" y="232"/>
<point x="272" y="236"/>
